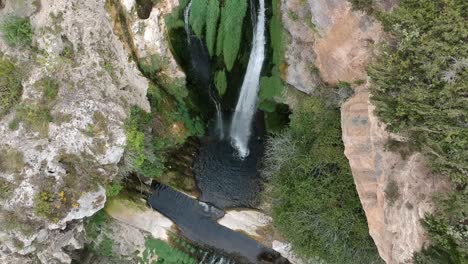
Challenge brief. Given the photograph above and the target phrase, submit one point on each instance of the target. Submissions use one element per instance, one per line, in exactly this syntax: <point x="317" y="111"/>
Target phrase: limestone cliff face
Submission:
<point x="395" y="192"/>
<point x="63" y="164"/>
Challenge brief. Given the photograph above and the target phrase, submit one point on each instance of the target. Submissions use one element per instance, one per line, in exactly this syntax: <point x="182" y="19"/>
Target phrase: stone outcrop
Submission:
<point x="395" y="192"/>
<point x="300" y="35"/>
<point x="150" y="37"/>
<point x="64" y="163"/>
<point x="141" y="217"/>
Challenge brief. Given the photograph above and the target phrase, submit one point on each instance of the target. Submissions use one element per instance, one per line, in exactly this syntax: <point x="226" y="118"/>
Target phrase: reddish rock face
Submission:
<point x="395" y="193"/>
<point x="344" y="47"/>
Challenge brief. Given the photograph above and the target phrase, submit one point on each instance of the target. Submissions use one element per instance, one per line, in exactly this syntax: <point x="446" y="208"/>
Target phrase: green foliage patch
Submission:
<point x="165" y="254"/>
<point x="99" y="241"/>
<point x="316" y="204"/>
<point x="419" y="86"/>
<point x="212" y="18"/>
<point x="10" y="85"/>
<point x="198" y="16"/>
<point x="270" y="87"/>
<point x="35" y="117"/>
<point x="230" y="30"/>
<point x="220" y="81"/>
<point x="16" y="31"/>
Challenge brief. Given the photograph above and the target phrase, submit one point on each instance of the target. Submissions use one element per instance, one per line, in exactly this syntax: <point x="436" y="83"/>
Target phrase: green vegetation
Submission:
<point x="35" y="117"/>
<point x="49" y="88"/>
<point x="151" y="65"/>
<point x="198" y="16"/>
<point x="211" y="24"/>
<point x="231" y="30"/>
<point x="220" y="82"/>
<point x="165" y="254"/>
<point x="6" y="189"/>
<point x="270" y="87"/>
<point x="419" y="86"/>
<point x="273" y="86"/>
<point x="316" y="204"/>
<point x="364" y="5"/>
<point x="140" y="148"/>
<point x="10" y="85"/>
<point x="16" y="31"/>
<point x="95" y="228"/>
<point x="276" y="35"/>
<point x="113" y="189"/>
<point x="147" y="146"/>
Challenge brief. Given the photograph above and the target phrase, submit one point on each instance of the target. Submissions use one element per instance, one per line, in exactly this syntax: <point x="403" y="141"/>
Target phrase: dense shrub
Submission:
<point x="16" y="31"/>
<point x="212" y="24"/>
<point x="230" y="30"/>
<point x="96" y="234"/>
<point x="364" y="5"/>
<point x="141" y="154"/>
<point x="198" y="16"/>
<point x="220" y="82"/>
<point x="419" y="87"/>
<point x="10" y="85"/>
<point x="316" y="205"/>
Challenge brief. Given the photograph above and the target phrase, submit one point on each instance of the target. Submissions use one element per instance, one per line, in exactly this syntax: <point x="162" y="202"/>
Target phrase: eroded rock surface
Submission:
<point x="395" y="193"/>
<point x="141" y="217"/>
<point x="150" y="37"/>
<point x="63" y="163"/>
<point x="346" y="38"/>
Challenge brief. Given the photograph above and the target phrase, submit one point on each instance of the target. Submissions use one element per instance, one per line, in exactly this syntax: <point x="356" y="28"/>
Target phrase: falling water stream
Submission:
<point x="246" y="104"/>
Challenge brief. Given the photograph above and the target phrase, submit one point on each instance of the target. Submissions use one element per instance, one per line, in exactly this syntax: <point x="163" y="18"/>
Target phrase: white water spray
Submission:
<point x="219" y="114"/>
<point x="246" y="104"/>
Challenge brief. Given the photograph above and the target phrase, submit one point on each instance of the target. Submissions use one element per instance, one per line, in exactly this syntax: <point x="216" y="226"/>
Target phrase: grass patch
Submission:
<point x="16" y="31"/>
<point x="6" y="189"/>
<point x="35" y="118"/>
<point x="49" y="88"/>
<point x="316" y="204"/>
<point x="10" y="85"/>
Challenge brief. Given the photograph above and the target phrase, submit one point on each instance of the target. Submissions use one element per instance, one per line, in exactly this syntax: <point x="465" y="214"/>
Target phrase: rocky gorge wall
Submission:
<point x="63" y="165"/>
<point x="329" y="42"/>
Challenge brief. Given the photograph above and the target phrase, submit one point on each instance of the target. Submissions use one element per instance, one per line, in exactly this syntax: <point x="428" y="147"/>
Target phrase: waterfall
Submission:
<point x="217" y="104"/>
<point x="219" y="115"/>
<point x="186" y="20"/>
<point x="246" y="104"/>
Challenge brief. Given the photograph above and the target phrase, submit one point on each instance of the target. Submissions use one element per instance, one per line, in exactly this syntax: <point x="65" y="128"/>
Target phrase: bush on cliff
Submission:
<point x="420" y="88"/>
